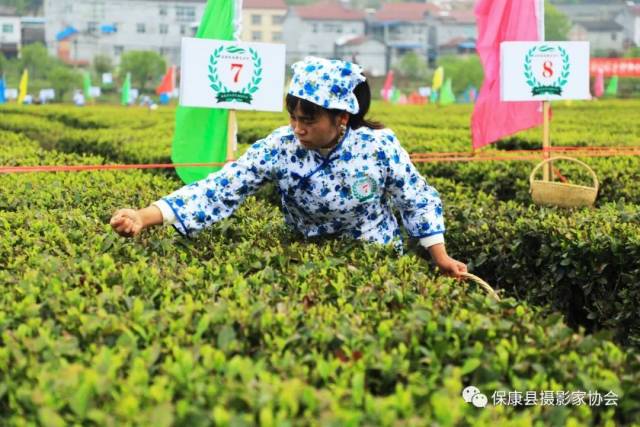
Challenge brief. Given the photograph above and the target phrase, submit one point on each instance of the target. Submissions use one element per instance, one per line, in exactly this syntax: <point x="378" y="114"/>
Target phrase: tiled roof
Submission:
<point x="264" y="4"/>
<point x="410" y="12"/>
<point x="453" y="42"/>
<point x="327" y="10"/>
<point x="459" y="42"/>
<point x="358" y="40"/>
<point x="600" y="25"/>
<point x="8" y="11"/>
<point x="460" y="16"/>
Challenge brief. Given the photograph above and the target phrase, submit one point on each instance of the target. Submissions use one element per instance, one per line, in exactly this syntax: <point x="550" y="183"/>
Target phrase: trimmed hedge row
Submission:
<point x="420" y="128"/>
<point x="619" y="177"/>
<point x="585" y="263"/>
<point x="248" y="325"/>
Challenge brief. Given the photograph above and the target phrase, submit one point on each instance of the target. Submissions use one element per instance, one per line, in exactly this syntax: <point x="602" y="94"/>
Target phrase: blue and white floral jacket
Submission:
<point x="350" y="192"/>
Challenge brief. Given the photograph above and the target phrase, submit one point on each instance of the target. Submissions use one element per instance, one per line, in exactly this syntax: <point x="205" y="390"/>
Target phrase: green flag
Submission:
<point x="86" y="85"/>
<point x="446" y="93"/>
<point x="612" y="87"/>
<point x="395" y="95"/>
<point x="201" y="133"/>
<point x="126" y="89"/>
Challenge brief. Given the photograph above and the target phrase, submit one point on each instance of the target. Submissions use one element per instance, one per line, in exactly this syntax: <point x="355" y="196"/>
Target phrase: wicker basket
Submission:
<point x="484" y="285"/>
<point x="562" y="194"/>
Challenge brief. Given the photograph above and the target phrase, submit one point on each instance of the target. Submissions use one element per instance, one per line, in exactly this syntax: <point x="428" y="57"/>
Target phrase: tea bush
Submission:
<point x="248" y="324"/>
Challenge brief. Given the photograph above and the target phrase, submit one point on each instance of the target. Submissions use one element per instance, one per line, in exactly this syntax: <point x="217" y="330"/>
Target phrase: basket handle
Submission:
<point x="542" y="163"/>
<point x="483" y="284"/>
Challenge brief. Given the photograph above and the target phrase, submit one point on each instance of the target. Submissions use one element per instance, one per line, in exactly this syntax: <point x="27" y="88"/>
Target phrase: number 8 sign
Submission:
<point x="544" y="71"/>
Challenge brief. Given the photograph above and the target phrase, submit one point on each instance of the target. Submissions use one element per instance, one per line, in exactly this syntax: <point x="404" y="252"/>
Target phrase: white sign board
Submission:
<point x="10" y="93"/>
<point x="133" y="94"/>
<point x="47" y="94"/>
<point x="232" y="75"/>
<point x="424" y="91"/>
<point x="95" y="91"/>
<point x="544" y="71"/>
<point x="107" y="78"/>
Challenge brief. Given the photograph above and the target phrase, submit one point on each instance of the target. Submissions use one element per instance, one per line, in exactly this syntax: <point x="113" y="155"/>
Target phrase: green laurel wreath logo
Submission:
<point x="257" y="71"/>
<point x="364" y="188"/>
<point x="223" y="93"/>
<point x="213" y="73"/>
<point x="537" y="88"/>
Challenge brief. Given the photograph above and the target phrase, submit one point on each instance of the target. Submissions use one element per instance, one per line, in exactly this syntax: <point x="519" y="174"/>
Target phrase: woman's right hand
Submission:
<point x="127" y="222"/>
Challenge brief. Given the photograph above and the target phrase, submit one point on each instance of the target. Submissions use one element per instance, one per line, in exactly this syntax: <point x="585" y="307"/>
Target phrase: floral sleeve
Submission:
<point x="217" y="196"/>
<point x="419" y="203"/>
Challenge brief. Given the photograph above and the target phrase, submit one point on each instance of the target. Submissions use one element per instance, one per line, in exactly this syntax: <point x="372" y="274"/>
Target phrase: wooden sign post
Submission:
<point x="546" y="142"/>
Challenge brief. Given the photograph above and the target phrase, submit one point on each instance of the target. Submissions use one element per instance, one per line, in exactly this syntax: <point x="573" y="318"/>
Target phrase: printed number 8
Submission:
<point x="547" y="70"/>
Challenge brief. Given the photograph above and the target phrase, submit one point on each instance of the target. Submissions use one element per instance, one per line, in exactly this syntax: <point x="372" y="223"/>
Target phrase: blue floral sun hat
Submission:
<point x="328" y="83"/>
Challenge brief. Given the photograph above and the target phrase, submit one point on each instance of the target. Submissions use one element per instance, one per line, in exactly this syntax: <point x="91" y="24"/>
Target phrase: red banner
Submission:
<point x="621" y="67"/>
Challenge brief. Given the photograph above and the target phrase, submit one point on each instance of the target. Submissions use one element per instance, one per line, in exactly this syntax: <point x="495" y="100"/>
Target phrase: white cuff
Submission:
<point x="432" y="240"/>
<point x="168" y="217"/>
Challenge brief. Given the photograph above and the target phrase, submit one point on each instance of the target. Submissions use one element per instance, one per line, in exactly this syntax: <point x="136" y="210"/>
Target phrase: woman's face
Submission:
<point x="315" y="132"/>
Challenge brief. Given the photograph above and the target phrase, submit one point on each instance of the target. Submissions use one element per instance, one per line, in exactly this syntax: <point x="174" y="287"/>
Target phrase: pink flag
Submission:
<point x="498" y="21"/>
<point x="388" y="83"/>
<point x="598" y="85"/>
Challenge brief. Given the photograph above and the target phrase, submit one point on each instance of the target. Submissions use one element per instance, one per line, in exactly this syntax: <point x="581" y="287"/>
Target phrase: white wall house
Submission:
<point x="76" y="31"/>
<point x="636" y="25"/>
<point x="630" y="20"/>
<point x="315" y="29"/>
<point x="364" y="51"/>
<point x="10" y="33"/>
<point x="453" y="26"/>
<point x="602" y="35"/>
<point x="402" y="28"/>
<point x="262" y="20"/>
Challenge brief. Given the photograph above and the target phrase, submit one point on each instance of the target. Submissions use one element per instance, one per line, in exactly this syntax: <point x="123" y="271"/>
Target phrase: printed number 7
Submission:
<point x="239" y="67"/>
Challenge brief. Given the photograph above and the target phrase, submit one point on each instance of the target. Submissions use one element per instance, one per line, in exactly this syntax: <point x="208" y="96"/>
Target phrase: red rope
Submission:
<point x="550" y="149"/>
<point x="78" y="168"/>
<point x="515" y="155"/>
<point x="561" y="177"/>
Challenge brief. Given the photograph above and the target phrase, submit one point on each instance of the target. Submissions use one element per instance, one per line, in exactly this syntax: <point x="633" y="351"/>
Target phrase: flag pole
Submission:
<point x="232" y="124"/>
<point x="546" y="105"/>
<point x="231" y="135"/>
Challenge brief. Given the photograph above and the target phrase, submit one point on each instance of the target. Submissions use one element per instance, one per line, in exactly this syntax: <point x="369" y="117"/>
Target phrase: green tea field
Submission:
<point x="249" y="325"/>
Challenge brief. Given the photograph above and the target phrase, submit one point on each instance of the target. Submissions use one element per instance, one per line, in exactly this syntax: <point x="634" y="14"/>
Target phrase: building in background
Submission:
<point x="317" y="28"/>
<point x="604" y="36"/>
<point x="424" y="28"/>
<point x="10" y="32"/>
<point x="452" y="33"/>
<point x="76" y="31"/>
<point x="262" y="20"/>
<point x="630" y="20"/>
<point x="365" y="51"/>
<point x="33" y="30"/>
<point x="607" y="25"/>
<point x="402" y="28"/>
<point x="592" y="11"/>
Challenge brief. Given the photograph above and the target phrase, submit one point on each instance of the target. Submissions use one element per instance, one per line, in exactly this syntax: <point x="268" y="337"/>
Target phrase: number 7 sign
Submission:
<point x="232" y="75"/>
<point x="239" y="68"/>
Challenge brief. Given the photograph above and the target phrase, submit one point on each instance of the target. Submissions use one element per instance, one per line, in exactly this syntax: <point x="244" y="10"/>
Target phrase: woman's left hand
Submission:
<point x="451" y="267"/>
<point x="447" y="265"/>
